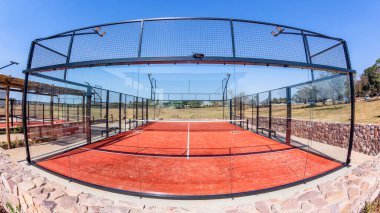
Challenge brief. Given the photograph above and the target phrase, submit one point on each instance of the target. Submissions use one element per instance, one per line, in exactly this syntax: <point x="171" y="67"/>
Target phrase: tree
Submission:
<point x="369" y="82"/>
<point x="306" y="94"/>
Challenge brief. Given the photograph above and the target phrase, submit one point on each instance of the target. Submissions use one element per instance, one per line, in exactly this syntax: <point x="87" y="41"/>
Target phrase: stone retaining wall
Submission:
<point x="344" y="194"/>
<point x="366" y="137"/>
<point x="30" y="192"/>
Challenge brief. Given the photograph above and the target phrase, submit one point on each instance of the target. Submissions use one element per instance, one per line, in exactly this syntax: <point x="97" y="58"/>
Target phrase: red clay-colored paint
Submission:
<point x="127" y="161"/>
<point x="30" y="123"/>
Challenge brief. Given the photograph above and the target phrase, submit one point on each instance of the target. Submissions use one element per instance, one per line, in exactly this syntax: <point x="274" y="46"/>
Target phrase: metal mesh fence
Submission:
<point x="171" y="39"/>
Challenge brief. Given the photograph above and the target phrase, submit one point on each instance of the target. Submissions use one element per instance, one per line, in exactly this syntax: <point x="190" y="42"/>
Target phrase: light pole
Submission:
<point x="10" y="64"/>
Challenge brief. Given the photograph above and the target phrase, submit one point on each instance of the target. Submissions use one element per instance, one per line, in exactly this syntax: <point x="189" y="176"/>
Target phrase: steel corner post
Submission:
<point x="24" y="103"/>
<point x="352" y="100"/>
<point x="25" y="116"/>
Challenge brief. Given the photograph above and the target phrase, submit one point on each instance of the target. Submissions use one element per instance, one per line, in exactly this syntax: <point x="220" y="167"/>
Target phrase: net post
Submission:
<point x="120" y="100"/>
<point x="289" y="115"/>
<point x="270" y="114"/>
<point x="257" y="112"/>
<point x="107" y="112"/>
<point x="247" y="124"/>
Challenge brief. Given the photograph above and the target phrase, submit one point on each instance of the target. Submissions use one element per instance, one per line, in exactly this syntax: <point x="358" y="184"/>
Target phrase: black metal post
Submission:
<point x="307" y="52"/>
<point x="84" y="113"/>
<point x="235" y="110"/>
<point x="35" y="110"/>
<point x="232" y="39"/>
<point x="142" y="111"/>
<point x="257" y="112"/>
<point x="136" y="111"/>
<point x="241" y="111"/>
<point x="24" y="111"/>
<point x="230" y="110"/>
<point x="51" y="110"/>
<point x="24" y="104"/>
<point x="77" y="113"/>
<point x="58" y="108"/>
<point x="120" y="100"/>
<point x="68" y="112"/>
<point x="252" y="113"/>
<point x="288" y="115"/>
<point x="146" y="110"/>
<point x="88" y="114"/>
<point x="69" y="53"/>
<point x="125" y="112"/>
<point x="43" y="113"/>
<point x="140" y="38"/>
<point x="270" y="114"/>
<point x="107" y="112"/>
<point x="352" y="94"/>
<point x="11" y="111"/>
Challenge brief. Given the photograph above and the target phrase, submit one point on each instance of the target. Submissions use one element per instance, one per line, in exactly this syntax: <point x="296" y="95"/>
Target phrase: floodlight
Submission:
<point x="274" y="34"/>
<point x="97" y="29"/>
<point x="198" y="55"/>
<point x="102" y="34"/>
<point x="280" y="29"/>
<point x="10" y="64"/>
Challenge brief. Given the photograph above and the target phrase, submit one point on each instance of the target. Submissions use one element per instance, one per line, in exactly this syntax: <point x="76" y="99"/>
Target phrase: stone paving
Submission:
<point x="31" y="192"/>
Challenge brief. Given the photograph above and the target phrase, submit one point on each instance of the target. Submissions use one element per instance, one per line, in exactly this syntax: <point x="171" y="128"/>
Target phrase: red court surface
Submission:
<point x="189" y="159"/>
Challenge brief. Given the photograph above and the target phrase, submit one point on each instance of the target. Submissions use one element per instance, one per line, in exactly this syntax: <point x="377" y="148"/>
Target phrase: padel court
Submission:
<point x="180" y="158"/>
<point x="189" y="108"/>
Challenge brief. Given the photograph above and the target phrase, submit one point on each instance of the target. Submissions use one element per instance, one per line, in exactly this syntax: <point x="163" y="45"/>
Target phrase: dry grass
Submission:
<point x="366" y="112"/>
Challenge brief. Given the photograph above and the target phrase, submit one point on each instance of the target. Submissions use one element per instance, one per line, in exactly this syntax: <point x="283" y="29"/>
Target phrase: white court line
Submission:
<point x="188" y="141"/>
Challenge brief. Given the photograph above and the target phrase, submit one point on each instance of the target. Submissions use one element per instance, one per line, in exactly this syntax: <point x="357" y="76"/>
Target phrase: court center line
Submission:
<point x="188" y="141"/>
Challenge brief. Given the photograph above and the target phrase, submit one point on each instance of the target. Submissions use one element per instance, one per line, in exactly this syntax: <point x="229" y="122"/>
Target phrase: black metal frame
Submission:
<point x="188" y="59"/>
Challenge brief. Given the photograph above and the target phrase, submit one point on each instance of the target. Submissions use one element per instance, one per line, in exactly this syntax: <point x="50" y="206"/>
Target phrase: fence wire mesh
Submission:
<point x="221" y="38"/>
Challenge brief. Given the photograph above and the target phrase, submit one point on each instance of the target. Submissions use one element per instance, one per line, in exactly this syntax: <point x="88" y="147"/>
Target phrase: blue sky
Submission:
<point x="355" y="21"/>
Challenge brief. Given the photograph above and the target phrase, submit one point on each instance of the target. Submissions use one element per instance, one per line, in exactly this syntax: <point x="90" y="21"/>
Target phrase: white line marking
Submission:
<point x="188" y="141"/>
